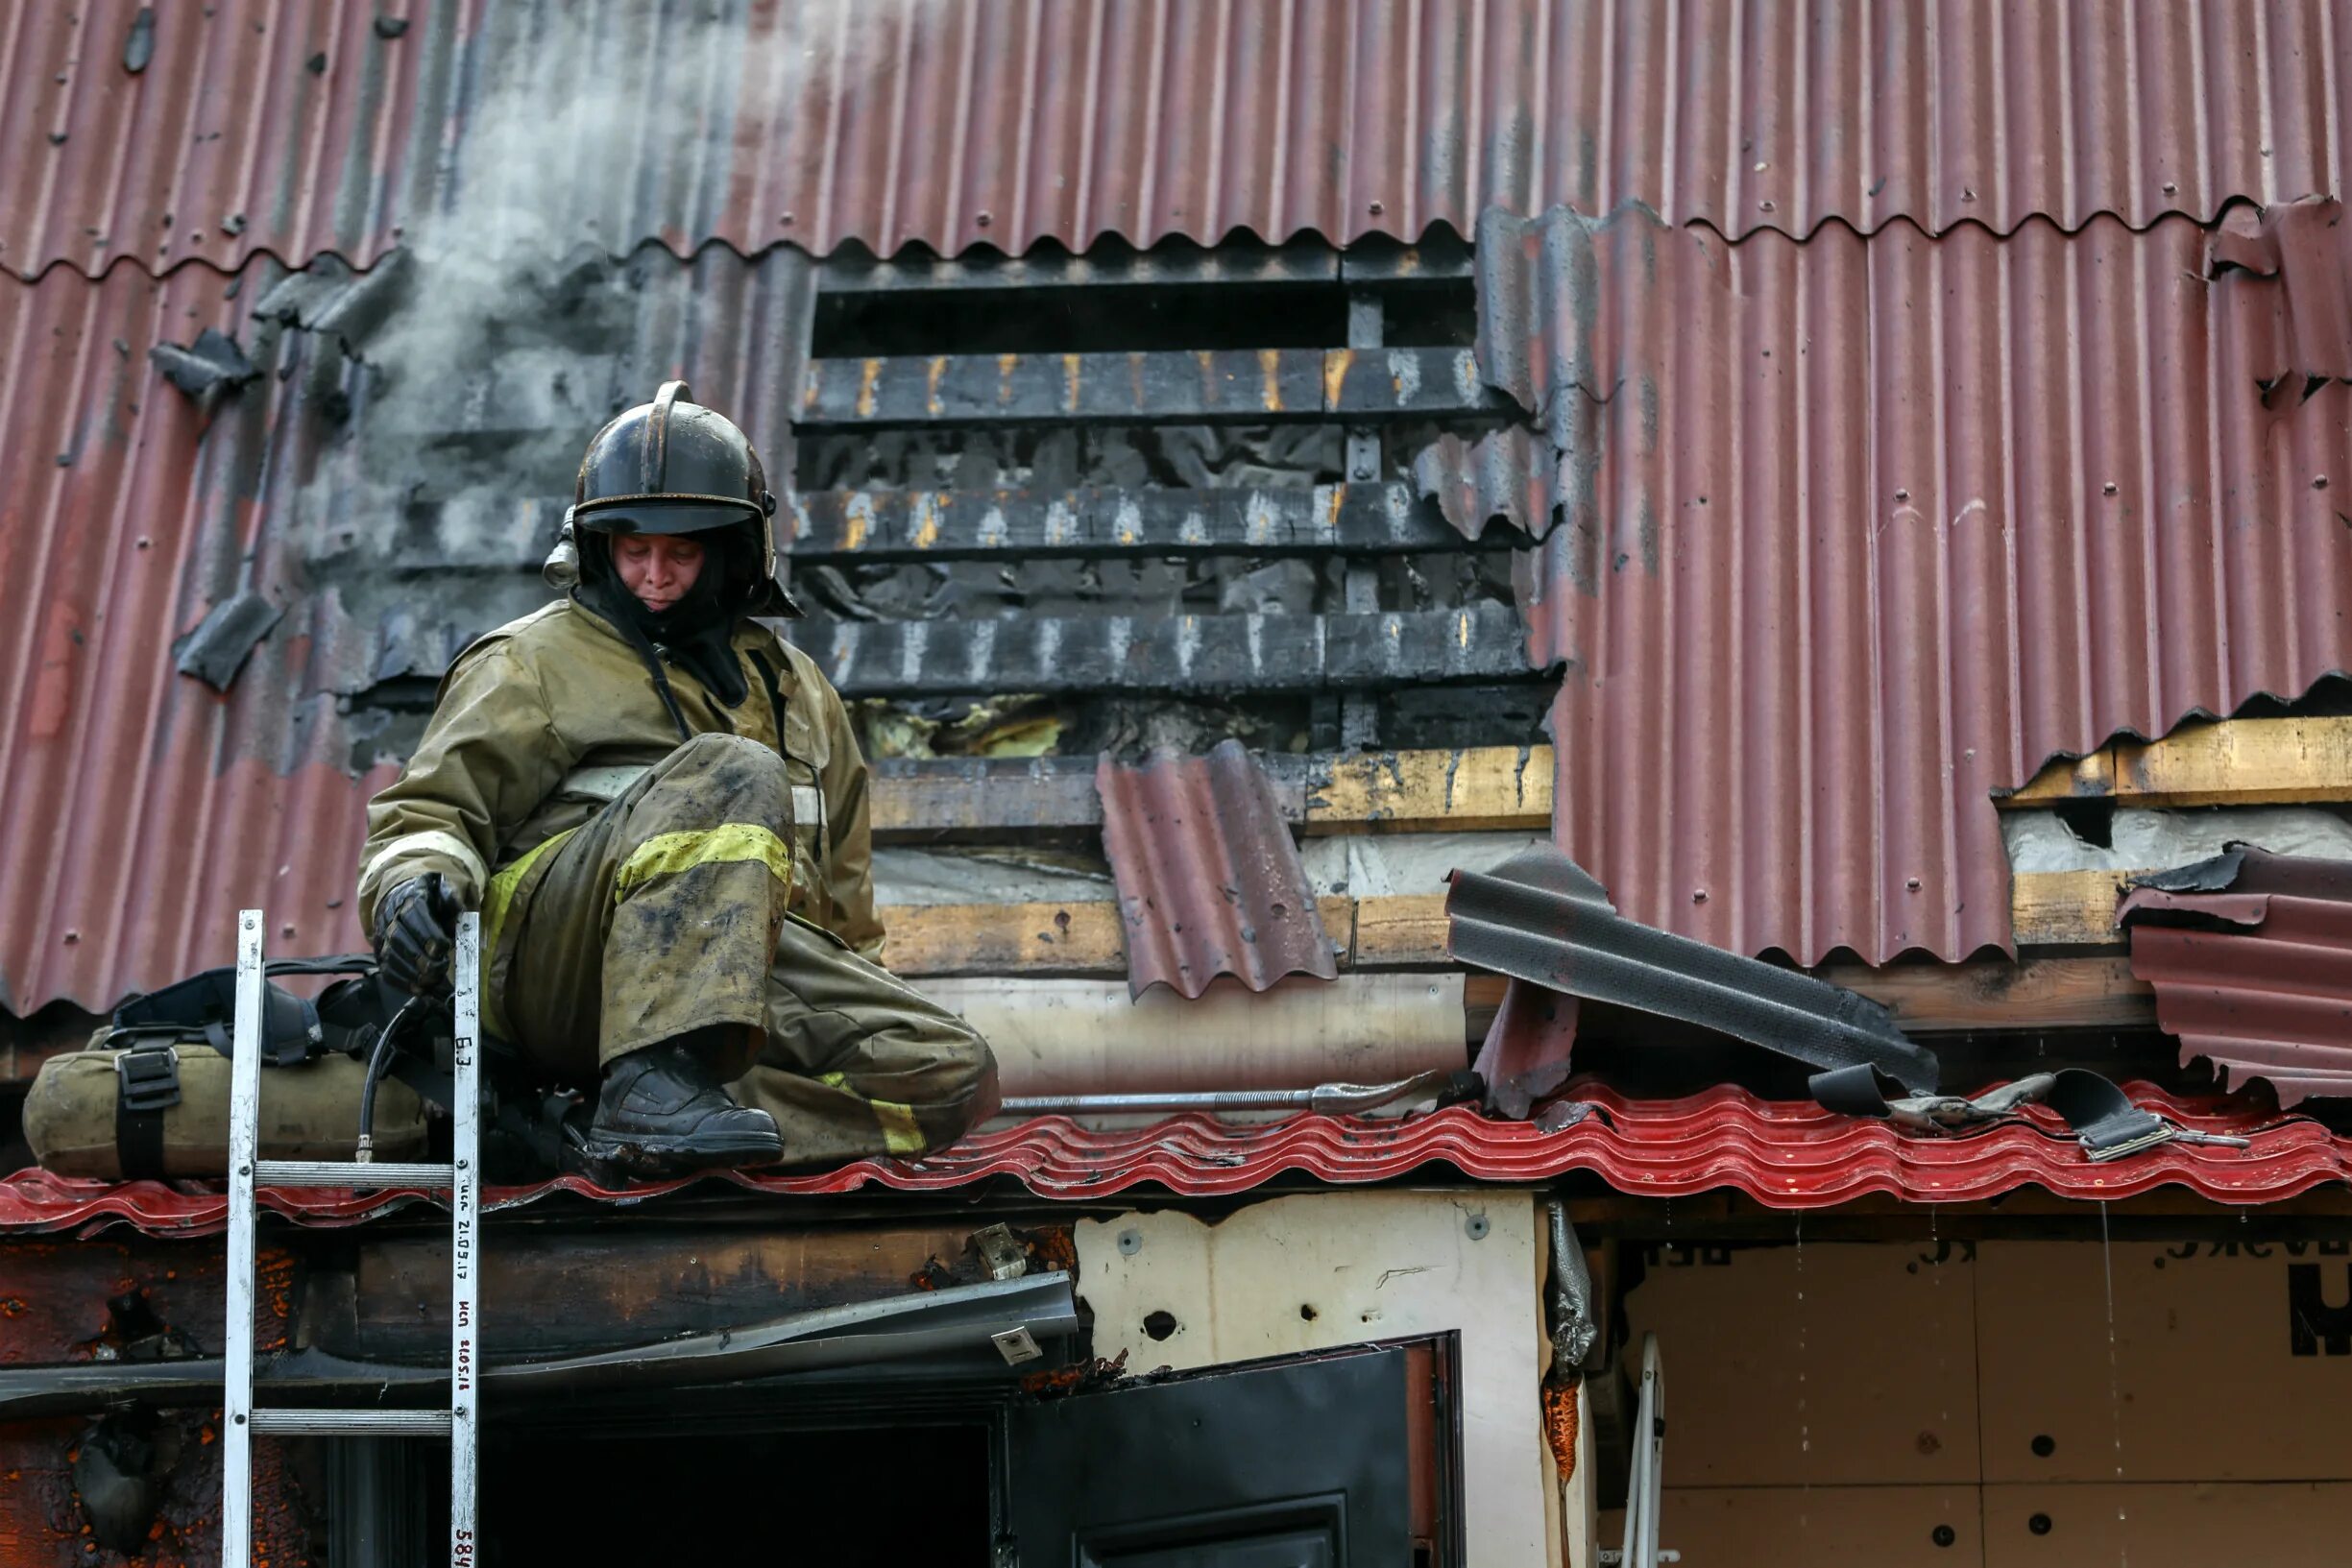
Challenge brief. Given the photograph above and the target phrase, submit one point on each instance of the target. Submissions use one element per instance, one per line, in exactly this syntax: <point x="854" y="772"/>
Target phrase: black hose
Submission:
<point x="379" y="1062"/>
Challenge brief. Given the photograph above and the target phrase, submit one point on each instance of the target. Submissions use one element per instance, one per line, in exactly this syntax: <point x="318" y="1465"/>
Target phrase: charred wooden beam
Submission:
<point x="1193" y="654"/>
<point x="1478" y="788"/>
<point x="567" y="1291"/>
<point x="1233" y="385"/>
<point x="844" y="526"/>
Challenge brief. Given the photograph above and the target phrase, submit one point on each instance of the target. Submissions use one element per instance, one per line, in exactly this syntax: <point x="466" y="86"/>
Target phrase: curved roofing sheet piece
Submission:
<point x="1785" y="1154"/>
<point x="957" y="123"/>
<point x="1855" y="532"/>
<point x="1209" y="877"/>
<point x="2254" y="972"/>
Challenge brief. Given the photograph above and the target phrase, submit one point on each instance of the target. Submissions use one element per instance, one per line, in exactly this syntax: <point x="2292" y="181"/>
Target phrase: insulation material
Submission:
<point x="1068" y="1037"/>
<point x="2155" y="840"/>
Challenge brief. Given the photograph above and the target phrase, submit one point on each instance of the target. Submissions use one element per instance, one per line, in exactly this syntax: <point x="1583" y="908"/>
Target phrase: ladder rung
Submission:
<point x="300" y="1423"/>
<point x="350" y="1173"/>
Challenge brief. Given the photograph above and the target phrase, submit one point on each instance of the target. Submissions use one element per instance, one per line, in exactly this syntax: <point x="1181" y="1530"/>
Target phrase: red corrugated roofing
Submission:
<point x="141" y="808"/>
<point x="1788" y="1155"/>
<point x="1855" y="533"/>
<point x="952" y="123"/>
<point x="1209" y="877"/>
<point x="2254" y="972"/>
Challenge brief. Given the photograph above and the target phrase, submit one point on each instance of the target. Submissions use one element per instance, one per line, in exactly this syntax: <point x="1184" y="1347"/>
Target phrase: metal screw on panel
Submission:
<point x="2044" y="1445"/>
<point x="1944" y="1535"/>
<point x="1475" y="1227"/>
<point x="2039" y="1524"/>
<point x="1130" y="1243"/>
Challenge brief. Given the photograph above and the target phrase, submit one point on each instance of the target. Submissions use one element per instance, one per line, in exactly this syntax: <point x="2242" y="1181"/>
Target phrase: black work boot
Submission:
<point x="664" y="1111"/>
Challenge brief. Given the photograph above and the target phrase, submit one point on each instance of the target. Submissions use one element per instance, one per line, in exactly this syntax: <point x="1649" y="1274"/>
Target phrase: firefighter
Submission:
<point x="659" y="811"/>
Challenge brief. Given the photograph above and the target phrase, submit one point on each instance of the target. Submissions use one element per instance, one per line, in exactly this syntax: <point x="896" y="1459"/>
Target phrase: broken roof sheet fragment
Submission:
<point x="1539" y="917"/>
<point x="1868" y="529"/>
<point x="1209" y="877"/>
<point x="217" y="649"/>
<point x="2251" y="954"/>
<point x="1512" y="473"/>
<point x="2287" y="273"/>
<point x="208" y="370"/>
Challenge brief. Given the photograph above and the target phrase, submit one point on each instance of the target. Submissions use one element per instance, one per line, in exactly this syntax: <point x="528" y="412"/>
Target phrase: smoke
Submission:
<point x="452" y="387"/>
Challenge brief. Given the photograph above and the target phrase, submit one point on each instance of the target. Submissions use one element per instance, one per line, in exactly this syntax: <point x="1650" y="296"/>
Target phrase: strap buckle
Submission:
<point x="147" y="1078"/>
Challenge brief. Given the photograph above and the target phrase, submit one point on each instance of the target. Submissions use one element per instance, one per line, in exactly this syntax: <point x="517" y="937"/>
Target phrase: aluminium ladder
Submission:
<point x="461" y="1178"/>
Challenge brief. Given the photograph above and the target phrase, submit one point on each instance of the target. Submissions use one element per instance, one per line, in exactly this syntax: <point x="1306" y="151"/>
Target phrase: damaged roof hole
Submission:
<point x="2093" y="821"/>
<point x="1160" y="1325"/>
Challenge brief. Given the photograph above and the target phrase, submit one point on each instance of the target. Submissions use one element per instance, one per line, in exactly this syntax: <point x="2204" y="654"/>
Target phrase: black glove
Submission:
<point x="416" y="930"/>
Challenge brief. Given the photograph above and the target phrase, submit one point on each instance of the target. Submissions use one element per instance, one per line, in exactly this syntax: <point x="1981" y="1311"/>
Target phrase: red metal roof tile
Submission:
<point x="955" y="124"/>
<point x="1857" y="532"/>
<point x="1788" y="1155"/>
<point x="2254" y="973"/>
<point x="142" y="809"/>
<point x="1209" y="877"/>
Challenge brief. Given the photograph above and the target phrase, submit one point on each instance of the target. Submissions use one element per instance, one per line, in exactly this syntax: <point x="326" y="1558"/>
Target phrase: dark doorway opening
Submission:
<point x="847" y="1498"/>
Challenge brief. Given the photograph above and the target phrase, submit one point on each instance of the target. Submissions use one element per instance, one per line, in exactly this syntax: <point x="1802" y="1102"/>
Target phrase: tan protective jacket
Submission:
<point x="541" y="722"/>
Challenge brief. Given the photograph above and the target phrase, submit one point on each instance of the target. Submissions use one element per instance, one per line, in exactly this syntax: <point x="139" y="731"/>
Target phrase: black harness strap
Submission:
<point x="147" y="1084"/>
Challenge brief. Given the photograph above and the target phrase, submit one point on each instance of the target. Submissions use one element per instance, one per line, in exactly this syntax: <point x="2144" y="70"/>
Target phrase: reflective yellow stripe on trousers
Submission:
<point x="901" y="1134"/>
<point x="665" y="855"/>
<point x="497" y="899"/>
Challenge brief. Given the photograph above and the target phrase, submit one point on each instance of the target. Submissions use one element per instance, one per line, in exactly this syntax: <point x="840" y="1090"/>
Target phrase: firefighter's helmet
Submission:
<point x="674" y="467"/>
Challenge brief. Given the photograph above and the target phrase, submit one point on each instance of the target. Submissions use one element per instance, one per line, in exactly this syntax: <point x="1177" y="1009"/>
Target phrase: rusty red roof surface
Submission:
<point x="1209" y="877"/>
<point x="1855" y="533"/>
<point x="2252" y="959"/>
<point x="1785" y="1154"/>
<point x="296" y="127"/>
<point x="142" y="807"/>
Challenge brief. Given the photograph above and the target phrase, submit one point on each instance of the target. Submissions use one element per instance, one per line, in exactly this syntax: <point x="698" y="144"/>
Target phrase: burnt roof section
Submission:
<point x="1209" y="877"/>
<point x="2251" y="957"/>
<point x="1539" y="918"/>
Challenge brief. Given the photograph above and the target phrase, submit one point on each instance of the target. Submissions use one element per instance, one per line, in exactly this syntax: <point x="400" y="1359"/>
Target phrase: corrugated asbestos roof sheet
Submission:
<point x="1209" y="877"/>
<point x="1855" y="533"/>
<point x="1788" y="1155"/>
<point x="139" y="805"/>
<point x="142" y="809"/>
<point x="2252" y="959"/>
<point x="956" y="123"/>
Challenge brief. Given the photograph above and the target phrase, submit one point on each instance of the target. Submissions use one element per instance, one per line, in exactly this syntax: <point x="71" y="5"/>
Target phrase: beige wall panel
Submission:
<point x="2280" y="1525"/>
<point x="1814" y="1527"/>
<point x="1317" y="1270"/>
<point x="2204" y="1385"/>
<point x="1835" y="1365"/>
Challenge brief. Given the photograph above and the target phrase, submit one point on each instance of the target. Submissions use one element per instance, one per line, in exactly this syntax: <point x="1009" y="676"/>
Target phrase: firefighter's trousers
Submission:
<point x="666" y="913"/>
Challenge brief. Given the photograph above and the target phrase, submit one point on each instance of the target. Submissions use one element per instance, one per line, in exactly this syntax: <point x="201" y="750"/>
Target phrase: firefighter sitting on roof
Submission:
<point x="659" y="811"/>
